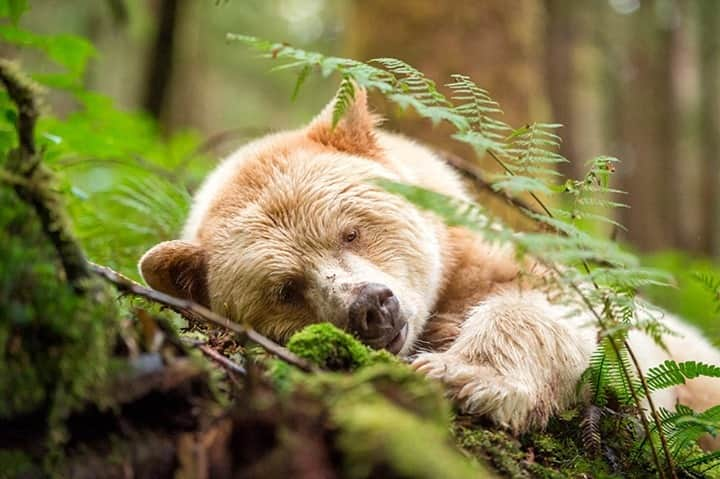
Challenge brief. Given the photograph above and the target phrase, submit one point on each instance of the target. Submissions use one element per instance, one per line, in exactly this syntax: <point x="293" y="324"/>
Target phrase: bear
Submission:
<point x="293" y="229"/>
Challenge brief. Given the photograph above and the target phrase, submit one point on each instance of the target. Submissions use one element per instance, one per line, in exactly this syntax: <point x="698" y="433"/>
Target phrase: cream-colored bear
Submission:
<point x="289" y="231"/>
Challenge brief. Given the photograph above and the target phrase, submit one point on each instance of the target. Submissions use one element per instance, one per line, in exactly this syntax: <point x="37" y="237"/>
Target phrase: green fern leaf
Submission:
<point x="343" y="99"/>
<point x="670" y="373"/>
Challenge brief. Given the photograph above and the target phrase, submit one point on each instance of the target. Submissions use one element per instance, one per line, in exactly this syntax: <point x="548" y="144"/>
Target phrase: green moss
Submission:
<point x="55" y="344"/>
<point x="495" y="447"/>
<point x="14" y="463"/>
<point x="380" y="439"/>
<point x="390" y="421"/>
<point x="554" y="454"/>
<point x="329" y="348"/>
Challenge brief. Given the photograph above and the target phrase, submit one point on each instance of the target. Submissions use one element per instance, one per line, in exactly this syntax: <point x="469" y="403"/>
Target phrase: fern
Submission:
<point x="670" y="373"/>
<point x="343" y="99"/>
<point x="484" y="130"/>
<point x="711" y="283"/>
<point x="607" y="374"/>
<point x="683" y="427"/>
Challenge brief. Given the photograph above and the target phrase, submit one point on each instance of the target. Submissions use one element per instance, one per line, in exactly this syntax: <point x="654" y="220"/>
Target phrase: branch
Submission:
<point x="194" y="310"/>
<point x="475" y="176"/>
<point x="36" y="188"/>
<point x="230" y="365"/>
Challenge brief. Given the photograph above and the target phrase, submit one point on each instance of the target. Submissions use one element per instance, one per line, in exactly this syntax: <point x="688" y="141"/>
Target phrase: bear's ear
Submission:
<point x="177" y="268"/>
<point x="354" y="133"/>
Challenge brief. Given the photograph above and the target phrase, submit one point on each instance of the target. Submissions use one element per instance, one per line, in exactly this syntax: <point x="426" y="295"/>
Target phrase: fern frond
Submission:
<point x="479" y="108"/>
<point x="703" y="463"/>
<point x="711" y="283"/>
<point x="302" y="76"/>
<point x="343" y="99"/>
<point x="670" y="373"/>
<point x="590" y="429"/>
<point x="453" y="211"/>
<point x="606" y="374"/>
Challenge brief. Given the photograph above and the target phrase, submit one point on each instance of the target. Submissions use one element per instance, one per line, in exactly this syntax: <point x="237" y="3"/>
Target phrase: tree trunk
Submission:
<point x="491" y="41"/>
<point x="560" y="40"/>
<point x="643" y="106"/>
<point x="709" y="23"/>
<point x="160" y="60"/>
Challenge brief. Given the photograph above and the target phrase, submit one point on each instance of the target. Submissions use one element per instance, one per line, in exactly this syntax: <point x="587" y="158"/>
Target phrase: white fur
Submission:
<point x="518" y="357"/>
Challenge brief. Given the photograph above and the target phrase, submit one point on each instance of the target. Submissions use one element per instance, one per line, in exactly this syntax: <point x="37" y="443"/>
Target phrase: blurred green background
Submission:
<point x="636" y="79"/>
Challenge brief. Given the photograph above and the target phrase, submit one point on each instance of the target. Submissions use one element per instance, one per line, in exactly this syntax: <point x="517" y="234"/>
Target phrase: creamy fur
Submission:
<point x="272" y="218"/>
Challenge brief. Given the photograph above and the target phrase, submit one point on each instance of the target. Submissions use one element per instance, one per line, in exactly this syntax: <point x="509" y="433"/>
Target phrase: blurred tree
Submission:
<point x="560" y="41"/>
<point x="162" y="53"/>
<point x="642" y="117"/>
<point x="493" y="42"/>
<point x="708" y="12"/>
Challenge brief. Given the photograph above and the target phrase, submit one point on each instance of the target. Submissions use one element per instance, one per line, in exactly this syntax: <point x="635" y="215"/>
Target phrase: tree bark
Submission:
<point x="560" y="40"/>
<point x="160" y="60"/>
<point x="643" y="120"/>
<point x="709" y="23"/>
<point x="491" y="41"/>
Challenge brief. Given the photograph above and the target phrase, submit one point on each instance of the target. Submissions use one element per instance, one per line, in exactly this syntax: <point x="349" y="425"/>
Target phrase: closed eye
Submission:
<point x="291" y="292"/>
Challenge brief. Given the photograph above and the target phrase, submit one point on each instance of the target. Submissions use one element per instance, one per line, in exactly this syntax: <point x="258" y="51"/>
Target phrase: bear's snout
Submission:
<point x="374" y="316"/>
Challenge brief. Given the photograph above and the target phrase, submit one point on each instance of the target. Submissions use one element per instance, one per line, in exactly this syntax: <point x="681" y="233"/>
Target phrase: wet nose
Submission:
<point x="374" y="315"/>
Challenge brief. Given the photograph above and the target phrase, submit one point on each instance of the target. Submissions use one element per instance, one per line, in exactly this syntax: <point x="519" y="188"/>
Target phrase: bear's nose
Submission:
<point x="374" y="316"/>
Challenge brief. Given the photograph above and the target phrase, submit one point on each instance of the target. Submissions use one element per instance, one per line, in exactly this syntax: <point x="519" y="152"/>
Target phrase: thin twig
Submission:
<point x="221" y="359"/>
<point x="184" y="306"/>
<point x="653" y="410"/>
<point x="511" y="173"/>
<point x="475" y="176"/>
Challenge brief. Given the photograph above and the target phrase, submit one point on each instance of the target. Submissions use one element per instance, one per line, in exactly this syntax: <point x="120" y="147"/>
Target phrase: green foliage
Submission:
<point x="54" y="344"/>
<point x="343" y="99"/>
<point x="330" y="348"/>
<point x="670" y="373"/>
<point x="126" y="186"/>
<point x="70" y="52"/>
<point x="13" y="9"/>
<point x="711" y="283"/>
<point x="690" y="297"/>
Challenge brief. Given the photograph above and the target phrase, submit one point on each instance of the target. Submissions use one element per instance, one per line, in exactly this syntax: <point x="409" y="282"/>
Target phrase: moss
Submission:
<point x="55" y="344"/>
<point x="496" y="447"/>
<point x="384" y="413"/>
<point x="380" y="439"/>
<point x="14" y="463"/>
<point x="390" y="421"/>
<point x="330" y="348"/>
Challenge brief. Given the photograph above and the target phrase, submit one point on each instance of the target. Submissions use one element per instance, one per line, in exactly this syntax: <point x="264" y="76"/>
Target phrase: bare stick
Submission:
<point x="463" y="167"/>
<point x="221" y="359"/>
<point x="198" y="311"/>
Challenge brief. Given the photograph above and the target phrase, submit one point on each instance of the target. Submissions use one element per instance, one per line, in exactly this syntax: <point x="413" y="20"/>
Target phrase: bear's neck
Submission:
<point x="474" y="269"/>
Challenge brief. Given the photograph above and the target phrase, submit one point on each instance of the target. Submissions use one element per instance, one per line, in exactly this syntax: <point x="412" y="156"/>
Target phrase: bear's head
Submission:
<point x="291" y="230"/>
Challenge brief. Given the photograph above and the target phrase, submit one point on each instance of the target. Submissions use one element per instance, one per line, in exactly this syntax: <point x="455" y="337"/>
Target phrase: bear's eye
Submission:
<point x="350" y="236"/>
<point x="290" y="292"/>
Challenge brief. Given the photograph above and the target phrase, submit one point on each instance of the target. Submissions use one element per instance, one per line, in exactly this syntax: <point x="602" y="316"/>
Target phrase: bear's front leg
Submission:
<point x="517" y="360"/>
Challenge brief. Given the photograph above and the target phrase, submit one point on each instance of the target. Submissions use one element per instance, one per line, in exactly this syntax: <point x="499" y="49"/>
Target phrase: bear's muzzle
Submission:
<point x="374" y="316"/>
